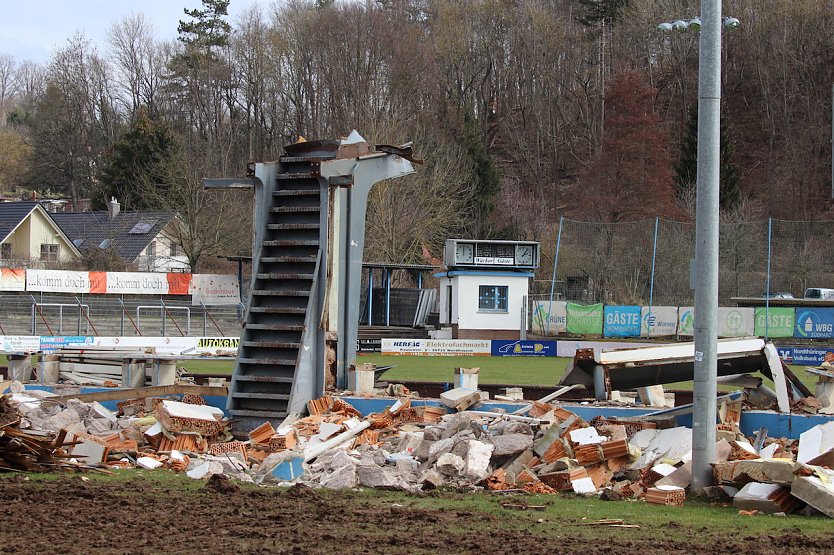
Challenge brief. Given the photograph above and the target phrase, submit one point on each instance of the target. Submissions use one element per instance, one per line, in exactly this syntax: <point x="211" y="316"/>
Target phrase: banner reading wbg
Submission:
<point x="585" y="320"/>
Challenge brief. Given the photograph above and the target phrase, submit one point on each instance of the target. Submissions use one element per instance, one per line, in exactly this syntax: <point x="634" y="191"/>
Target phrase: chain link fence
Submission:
<point x="648" y="262"/>
<point x="115" y="315"/>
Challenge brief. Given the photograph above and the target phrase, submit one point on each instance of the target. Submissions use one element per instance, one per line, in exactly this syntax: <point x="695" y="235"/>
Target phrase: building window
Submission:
<point x="6" y="251"/>
<point x="49" y="253"/>
<point x="175" y="249"/>
<point x="492" y="298"/>
<point x="152" y="248"/>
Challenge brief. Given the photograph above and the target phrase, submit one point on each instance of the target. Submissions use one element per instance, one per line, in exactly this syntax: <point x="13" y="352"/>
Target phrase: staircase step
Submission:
<point x="276" y="327"/>
<point x="290" y="243"/>
<point x="263" y="379"/>
<point x="292" y="209"/>
<point x="271" y="344"/>
<point x="266" y="361"/>
<point x="264" y="414"/>
<point x="268" y="396"/>
<point x="272" y="275"/>
<point x="279" y="259"/>
<point x="299" y="175"/>
<point x="278" y="227"/>
<point x="270" y="293"/>
<point x="278" y="310"/>
<point x="296" y="193"/>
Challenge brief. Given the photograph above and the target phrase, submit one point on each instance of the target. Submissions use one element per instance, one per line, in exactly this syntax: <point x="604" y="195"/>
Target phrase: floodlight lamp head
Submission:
<point x="730" y="22"/>
<point x="680" y="25"/>
<point x="665" y="27"/>
<point x="695" y="24"/>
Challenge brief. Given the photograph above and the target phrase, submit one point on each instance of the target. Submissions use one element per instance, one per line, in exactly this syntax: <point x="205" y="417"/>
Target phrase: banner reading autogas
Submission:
<point x="549" y="317"/>
<point x="584" y="320"/>
<point x="622" y="321"/>
<point x="12" y="279"/>
<point x="814" y="323"/>
<point x="736" y="322"/>
<point x="658" y="321"/>
<point x="775" y="321"/>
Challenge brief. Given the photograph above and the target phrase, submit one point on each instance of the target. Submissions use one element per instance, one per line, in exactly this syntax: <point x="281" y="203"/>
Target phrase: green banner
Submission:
<point x="585" y="320"/>
<point x="780" y="321"/>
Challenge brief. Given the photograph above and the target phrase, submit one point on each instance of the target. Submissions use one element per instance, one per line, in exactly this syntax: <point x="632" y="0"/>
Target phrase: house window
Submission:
<point x="49" y="253"/>
<point x="492" y="298"/>
<point x="175" y="249"/>
<point x="152" y="248"/>
<point x="6" y="251"/>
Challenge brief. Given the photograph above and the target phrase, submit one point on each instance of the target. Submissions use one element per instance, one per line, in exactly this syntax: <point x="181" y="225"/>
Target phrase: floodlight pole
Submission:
<point x="706" y="246"/>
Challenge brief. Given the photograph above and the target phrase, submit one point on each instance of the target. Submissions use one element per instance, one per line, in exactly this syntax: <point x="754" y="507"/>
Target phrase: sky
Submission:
<point x="34" y="29"/>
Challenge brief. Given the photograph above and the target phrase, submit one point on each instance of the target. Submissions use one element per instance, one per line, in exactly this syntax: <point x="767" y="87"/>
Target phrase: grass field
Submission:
<point x="494" y="370"/>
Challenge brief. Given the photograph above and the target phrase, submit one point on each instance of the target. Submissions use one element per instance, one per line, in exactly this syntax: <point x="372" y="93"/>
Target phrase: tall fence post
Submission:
<point x="553" y="277"/>
<point x="767" y="284"/>
<point x="654" y="257"/>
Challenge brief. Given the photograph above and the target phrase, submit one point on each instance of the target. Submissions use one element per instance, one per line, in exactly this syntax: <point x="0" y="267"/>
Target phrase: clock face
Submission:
<point x="465" y="253"/>
<point x="524" y="255"/>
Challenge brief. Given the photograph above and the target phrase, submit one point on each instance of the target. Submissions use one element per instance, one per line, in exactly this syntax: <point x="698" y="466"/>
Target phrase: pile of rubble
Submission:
<point x="544" y="448"/>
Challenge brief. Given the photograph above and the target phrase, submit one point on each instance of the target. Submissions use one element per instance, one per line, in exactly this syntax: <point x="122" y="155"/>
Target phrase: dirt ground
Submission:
<point x="71" y="515"/>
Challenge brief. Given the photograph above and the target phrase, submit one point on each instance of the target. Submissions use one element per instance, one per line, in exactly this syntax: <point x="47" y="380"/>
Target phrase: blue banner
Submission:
<point x="523" y="348"/>
<point x="804" y="356"/>
<point x="814" y="323"/>
<point x="622" y="321"/>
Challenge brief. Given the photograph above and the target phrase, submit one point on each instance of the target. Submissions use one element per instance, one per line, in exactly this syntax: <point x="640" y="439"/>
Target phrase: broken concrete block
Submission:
<point x="769" y="471"/>
<point x="439" y="448"/>
<point x="543" y="443"/>
<point x="90" y="452"/>
<point x="652" y="395"/>
<point x="680" y="477"/>
<point x="373" y="476"/>
<point x="450" y="464"/>
<point x="815" y="441"/>
<point x="148" y="463"/>
<point x="477" y="460"/>
<point x="815" y="492"/>
<point x="422" y="452"/>
<point x="511" y="444"/>
<point x="341" y="478"/>
<point x="410" y="442"/>
<point x="431" y="479"/>
<point x="459" y="398"/>
<point x="767" y="498"/>
<point x="456" y="423"/>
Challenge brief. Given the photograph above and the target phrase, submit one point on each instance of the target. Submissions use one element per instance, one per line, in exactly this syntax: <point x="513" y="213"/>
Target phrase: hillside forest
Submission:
<point x="524" y="111"/>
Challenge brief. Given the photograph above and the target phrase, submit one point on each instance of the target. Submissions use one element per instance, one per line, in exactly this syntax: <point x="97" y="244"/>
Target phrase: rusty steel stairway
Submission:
<point x="285" y="281"/>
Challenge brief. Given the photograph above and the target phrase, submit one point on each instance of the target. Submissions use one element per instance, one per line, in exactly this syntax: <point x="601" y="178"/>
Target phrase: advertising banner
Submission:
<point x="622" y="321"/>
<point x="814" y="323"/>
<point x="584" y="320"/>
<point x="214" y="289"/>
<point x="20" y="343"/>
<point x="49" y="343"/>
<point x="806" y="356"/>
<point x="549" y="317"/>
<point x="686" y="320"/>
<point x="12" y="279"/>
<point x="437" y="347"/>
<point x="57" y="281"/>
<point x="775" y="321"/>
<point x="523" y="348"/>
<point x="736" y="322"/>
<point x="658" y="321"/>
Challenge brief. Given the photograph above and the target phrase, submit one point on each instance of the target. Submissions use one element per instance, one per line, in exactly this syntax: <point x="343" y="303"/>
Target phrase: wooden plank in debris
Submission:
<point x="143" y="392"/>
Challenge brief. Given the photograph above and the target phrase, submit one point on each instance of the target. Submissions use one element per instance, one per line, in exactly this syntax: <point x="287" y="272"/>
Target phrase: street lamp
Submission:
<point x="705" y="266"/>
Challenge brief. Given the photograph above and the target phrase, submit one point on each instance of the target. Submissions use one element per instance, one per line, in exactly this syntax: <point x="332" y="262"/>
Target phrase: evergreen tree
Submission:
<point x="592" y="12"/>
<point x="134" y="162"/>
<point x="687" y="165"/>
<point x="487" y="181"/>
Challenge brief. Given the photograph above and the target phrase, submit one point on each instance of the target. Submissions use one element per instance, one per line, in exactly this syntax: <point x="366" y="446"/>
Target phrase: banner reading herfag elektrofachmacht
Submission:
<point x="437" y="347"/>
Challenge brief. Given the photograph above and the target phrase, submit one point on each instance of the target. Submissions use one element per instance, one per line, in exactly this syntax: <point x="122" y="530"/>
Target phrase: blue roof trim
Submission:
<point x="453" y="273"/>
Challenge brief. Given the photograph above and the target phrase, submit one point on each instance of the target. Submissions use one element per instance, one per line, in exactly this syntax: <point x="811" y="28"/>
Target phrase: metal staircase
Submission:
<point x="282" y="314"/>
